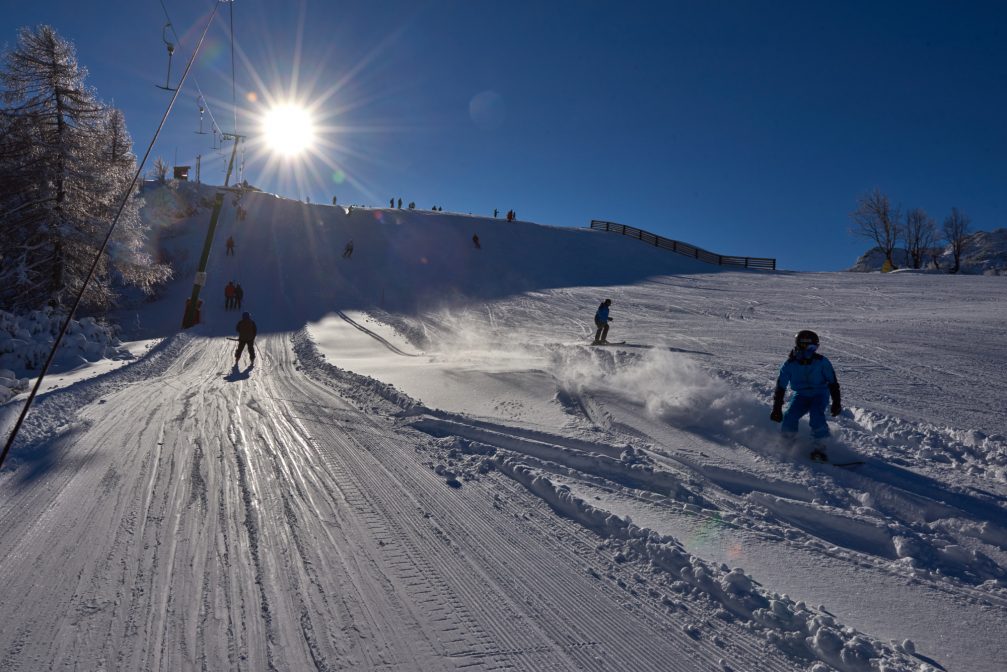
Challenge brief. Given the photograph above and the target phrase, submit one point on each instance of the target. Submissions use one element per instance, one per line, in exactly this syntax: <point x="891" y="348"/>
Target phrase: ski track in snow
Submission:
<point x="499" y="496"/>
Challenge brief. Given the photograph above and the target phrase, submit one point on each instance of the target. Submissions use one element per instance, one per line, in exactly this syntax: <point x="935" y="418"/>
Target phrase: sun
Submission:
<point x="288" y="129"/>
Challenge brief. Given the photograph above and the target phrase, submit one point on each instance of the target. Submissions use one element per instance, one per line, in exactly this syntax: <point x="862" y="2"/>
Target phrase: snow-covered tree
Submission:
<point x="956" y="231"/>
<point x="71" y="159"/>
<point x="876" y="219"/>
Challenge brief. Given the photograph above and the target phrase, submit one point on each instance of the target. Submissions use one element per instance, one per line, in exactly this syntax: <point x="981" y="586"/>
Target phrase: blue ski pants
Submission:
<point x="815" y="406"/>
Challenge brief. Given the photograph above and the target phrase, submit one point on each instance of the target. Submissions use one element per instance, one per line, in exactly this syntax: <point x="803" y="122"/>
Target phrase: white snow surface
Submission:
<point x="429" y="468"/>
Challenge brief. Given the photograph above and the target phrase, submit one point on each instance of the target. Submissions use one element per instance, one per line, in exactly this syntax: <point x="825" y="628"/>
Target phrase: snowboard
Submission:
<point x="819" y="456"/>
<point x="609" y="343"/>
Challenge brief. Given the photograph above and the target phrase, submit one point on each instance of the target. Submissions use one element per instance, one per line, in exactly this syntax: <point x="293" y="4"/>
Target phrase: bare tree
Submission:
<point x="956" y="230"/>
<point x="876" y="219"/>
<point x="160" y="169"/>
<point x="920" y="235"/>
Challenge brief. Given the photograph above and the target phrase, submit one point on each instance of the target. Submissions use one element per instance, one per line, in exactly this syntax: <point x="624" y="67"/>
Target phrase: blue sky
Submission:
<point x="745" y="128"/>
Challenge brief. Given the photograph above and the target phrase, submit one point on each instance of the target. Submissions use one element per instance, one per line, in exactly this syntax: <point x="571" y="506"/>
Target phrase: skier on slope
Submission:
<point x="814" y="381"/>
<point x="601" y="320"/>
<point x="246" y="336"/>
<point x="229" y="295"/>
<point x="230" y="246"/>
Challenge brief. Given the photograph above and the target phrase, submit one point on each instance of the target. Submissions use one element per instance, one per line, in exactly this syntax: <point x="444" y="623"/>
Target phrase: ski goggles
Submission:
<point x="807" y="347"/>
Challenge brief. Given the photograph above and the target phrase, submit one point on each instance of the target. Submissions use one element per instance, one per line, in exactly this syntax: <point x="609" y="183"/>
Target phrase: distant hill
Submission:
<point x="985" y="253"/>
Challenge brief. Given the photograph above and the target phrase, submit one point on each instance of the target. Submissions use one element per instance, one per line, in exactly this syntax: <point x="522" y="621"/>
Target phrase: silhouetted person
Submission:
<point x="391" y="202"/>
<point x="239" y="294"/>
<point x="475" y="241"/>
<point x="495" y="211"/>
<point x="400" y="204"/>
<point x="230" y="246"/>
<point x="334" y="199"/>
<point x="246" y="336"/>
<point x="348" y="250"/>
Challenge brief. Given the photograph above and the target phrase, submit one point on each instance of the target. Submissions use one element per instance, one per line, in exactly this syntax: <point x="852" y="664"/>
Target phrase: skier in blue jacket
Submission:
<point x="601" y="320"/>
<point x="814" y="381"/>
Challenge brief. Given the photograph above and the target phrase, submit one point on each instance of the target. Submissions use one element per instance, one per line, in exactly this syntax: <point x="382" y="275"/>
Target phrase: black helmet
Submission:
<point x="804" y="338"/>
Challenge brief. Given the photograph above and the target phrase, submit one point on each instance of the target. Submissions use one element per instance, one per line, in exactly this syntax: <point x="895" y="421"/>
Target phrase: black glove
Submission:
<point x="777" y="414"/>
<point x="837" y="406"/>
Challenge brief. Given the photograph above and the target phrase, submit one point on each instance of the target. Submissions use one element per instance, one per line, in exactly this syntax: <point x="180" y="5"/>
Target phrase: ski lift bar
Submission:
<point x="202" y="109"/>
<point x="171" y="50"/>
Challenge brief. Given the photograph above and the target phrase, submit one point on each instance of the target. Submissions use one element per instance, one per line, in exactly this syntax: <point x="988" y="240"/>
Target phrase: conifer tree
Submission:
<point x="71" y="159"/>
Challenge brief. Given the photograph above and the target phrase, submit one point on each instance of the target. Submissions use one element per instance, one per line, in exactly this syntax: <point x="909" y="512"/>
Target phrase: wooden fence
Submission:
<point x="759" y="263"/>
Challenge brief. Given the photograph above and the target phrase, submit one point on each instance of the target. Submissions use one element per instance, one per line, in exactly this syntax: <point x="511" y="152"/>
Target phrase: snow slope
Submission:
<point x="428" y="469"/>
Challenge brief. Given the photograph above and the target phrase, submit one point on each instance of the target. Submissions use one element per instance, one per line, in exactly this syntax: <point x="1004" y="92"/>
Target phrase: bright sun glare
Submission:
<point x="288" y="129"/>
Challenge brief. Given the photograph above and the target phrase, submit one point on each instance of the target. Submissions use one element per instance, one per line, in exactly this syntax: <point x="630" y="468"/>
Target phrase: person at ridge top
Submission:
<point x="813" y="381"/>
<point x="601" y="320"/>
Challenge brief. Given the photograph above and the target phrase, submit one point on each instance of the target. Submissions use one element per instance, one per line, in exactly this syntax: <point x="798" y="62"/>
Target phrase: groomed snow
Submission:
<point x="429" y="468"/>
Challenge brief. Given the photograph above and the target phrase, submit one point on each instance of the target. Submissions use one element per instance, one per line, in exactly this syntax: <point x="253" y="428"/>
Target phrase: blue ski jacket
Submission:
<point x="809" y="377"/>
<point x="602" y="314"/>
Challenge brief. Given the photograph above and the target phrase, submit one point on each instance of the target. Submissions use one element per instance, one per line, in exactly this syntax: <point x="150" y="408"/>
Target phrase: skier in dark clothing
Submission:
<point x="230" y="246"/>
<point x="239" y="294"/>
<point x="814" y="381"/>
<point x="475" y="241"/>
<point x="229" y="295"/>
<point x="246" y="336"/>
<point x="601" y="320"/>
<point x="348" y="250"/>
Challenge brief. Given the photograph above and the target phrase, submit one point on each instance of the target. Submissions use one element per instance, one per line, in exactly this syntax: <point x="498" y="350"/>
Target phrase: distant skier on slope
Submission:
<point x="229" y="295"/>
<point x="246" y="336"/>
<point x="348" y="250"/>
<point x="239" y="295"/>
<point x="475" y="241"/>
<point x="601" y="320"/>
<point x="230" y="246"/>
<point x="814" y="381"/>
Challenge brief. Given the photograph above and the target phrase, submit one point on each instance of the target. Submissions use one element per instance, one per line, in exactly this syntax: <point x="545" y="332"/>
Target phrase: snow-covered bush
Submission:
<point x="25" y="342"/>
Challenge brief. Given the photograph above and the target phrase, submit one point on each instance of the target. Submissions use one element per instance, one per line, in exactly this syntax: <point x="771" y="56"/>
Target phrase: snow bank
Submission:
<point x="802" y="631"/>
<point x="25" y="342"/>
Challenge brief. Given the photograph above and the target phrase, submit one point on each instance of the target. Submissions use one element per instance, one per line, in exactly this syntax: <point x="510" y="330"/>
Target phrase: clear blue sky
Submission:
<point x="743" y="127"/>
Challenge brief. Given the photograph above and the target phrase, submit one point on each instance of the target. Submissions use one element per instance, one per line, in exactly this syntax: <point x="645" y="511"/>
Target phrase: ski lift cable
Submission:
<point x="104" y="244"/>
<point x="234" y="98"/>
<point x="195" y="81"/>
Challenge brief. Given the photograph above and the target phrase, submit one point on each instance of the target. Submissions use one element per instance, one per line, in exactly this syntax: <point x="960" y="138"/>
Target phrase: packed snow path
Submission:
<point x="518" y="499"/>
<point x="213" y="518"/>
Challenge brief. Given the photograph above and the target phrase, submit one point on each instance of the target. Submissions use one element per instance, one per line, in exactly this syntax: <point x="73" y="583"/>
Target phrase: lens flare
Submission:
<point x="288" y="129"/>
